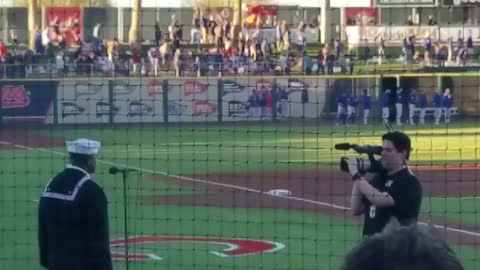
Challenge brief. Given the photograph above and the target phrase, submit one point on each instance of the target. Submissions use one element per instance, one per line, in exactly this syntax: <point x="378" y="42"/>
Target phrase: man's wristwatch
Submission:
<point x="357" y="176"/>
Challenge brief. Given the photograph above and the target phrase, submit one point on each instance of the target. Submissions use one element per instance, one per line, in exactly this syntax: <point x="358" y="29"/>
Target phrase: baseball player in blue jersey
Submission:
<point x="412" y="99"/>
<point x="367" y="106"/>
<point x="341" y="108"/>
<point x="438" y="104"/>
<point x="386" y="106"/>
<point x="422" y="104"/>
<point x="447" y="105"/>
<point x="399" y="105"/>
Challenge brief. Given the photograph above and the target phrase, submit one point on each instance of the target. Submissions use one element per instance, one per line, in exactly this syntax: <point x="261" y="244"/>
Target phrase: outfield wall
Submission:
<point x="155" y="101"/>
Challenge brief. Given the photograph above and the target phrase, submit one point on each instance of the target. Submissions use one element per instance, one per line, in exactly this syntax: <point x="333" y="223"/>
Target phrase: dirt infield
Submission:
<point x="24" y="138"/>
<point x="325" y="191"/>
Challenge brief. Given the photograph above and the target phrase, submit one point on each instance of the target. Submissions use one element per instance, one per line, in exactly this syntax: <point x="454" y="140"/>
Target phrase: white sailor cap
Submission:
<point x="83" y="146"/>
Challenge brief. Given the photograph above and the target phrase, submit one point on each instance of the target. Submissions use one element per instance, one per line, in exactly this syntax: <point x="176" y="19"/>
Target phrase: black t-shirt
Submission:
<point x="406" y="191"/>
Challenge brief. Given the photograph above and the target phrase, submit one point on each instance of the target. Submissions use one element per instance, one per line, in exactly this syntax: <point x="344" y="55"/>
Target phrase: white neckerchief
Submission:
<point x="70" y="166"/>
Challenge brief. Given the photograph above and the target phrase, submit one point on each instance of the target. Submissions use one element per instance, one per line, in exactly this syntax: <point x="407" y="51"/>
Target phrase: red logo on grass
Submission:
<point x="15" y="96"/>
<point x="203" y="108"/>
<point x="234" y="246"/>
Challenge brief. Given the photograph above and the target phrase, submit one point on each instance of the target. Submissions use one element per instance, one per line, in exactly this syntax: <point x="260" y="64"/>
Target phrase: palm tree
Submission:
<point x="32" y="21"/>
<point x="133" y="34"/>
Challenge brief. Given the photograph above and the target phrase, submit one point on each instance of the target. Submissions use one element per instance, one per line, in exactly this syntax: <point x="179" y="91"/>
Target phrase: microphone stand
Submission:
<point x="125" y="223"/>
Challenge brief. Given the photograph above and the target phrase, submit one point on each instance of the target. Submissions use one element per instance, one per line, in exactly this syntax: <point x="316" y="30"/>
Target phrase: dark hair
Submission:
<point x="413" y="247"/>
<point x="400" y="141"/>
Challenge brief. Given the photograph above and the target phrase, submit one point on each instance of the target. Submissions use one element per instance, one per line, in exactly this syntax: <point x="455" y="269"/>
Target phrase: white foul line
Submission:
<point x="331" y="205"/>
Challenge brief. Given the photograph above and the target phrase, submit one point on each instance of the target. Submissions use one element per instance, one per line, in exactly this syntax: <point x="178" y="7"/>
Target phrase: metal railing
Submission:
<point x="222" y="68"/>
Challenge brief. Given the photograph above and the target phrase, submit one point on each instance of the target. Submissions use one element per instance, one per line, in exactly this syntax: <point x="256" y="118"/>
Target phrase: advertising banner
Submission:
<point x="83" y="102"/>
<point x="240" y="103"/>
<point x="393" y="34"/>
<point x="405" y="3"/>
<point x="192" y="100"/>
<point x="137" y="101"/>
<point x="361" y="16"/>
<point x="301" y="98"/>
<point x="462" y="3"/>
<point x="350" y="3"/>
<point x="27" y="101"/>
<point x="68" y="22"/>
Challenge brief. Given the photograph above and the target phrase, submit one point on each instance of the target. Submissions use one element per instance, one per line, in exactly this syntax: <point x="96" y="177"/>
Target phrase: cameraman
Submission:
<point x="392" y="193"/>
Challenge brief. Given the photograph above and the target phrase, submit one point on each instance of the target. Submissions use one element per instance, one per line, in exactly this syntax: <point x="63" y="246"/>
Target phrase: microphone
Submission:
<point x="115" y="170"/>
<point x="344" y="146"/>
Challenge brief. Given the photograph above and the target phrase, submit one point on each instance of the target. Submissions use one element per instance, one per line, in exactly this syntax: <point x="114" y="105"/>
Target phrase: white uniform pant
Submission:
<point x="437" y="115"/>
<point x="411" y="113"/>
<point x="399" y="108"/>
<point x="423" y="112"/>
<point x="385" y="114"/>
<point x="366" y="114"/>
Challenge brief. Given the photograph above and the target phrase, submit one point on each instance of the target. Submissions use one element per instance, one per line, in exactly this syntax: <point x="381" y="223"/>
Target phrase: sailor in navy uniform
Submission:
<point x="73" y="219"/>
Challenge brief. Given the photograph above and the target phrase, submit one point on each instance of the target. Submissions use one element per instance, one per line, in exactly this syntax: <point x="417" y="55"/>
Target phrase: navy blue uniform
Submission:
<point x="73" y="223"/>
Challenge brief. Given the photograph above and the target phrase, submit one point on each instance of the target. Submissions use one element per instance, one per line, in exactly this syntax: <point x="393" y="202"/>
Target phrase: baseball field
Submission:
<point x="201" y="196"/>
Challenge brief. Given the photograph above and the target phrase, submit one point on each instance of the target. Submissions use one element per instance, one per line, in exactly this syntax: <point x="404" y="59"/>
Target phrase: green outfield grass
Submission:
<point x="312" y="241"/>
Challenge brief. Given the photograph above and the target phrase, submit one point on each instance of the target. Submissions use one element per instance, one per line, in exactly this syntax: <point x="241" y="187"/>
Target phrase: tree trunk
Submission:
<point x="237" y="19"/>
<point x="133" y="34"/>
<point x="32" y="14"/>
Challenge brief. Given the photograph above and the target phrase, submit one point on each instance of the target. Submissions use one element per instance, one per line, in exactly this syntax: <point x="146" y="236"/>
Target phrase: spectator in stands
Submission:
<point x="326" y="54"/>
<point x="300" y="37"/>
<point x="112" y="49"/>
<point x="96" y="31"/>
<point x="338" y="46"/>
<point x="39" y="48"/>
<point x="196" y="33"/>
<point x="410" y="20"/>
<point x="431" y="20"/>
<point x="448" y="105"/>
<point x="3" y="51"/>
<point x="386" y="106"/>
<point x="461" y="56"/>
<point x="422" y="104"/>
<point x="307" y="63"/>
<point x="470" y="45"/>
<point x="320" y="63"/>
<point x="412" y="100"/>
<point x="414" y="247"/>
<point x="438" y="104"/>
<point x="381" y="49"/>
<point x="154" y="60"/>
<point x="428" y="47"/>
<point x="399" y="106"/>
<point x="367" y="105"/>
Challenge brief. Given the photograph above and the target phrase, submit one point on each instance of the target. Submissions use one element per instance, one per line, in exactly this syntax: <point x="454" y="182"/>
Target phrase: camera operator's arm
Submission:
<point x="376" y="197"/>
<point x="356" y="203"/>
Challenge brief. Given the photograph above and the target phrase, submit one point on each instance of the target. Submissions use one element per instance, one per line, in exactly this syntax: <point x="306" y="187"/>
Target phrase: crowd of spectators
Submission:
<point x="209" y="49"/>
